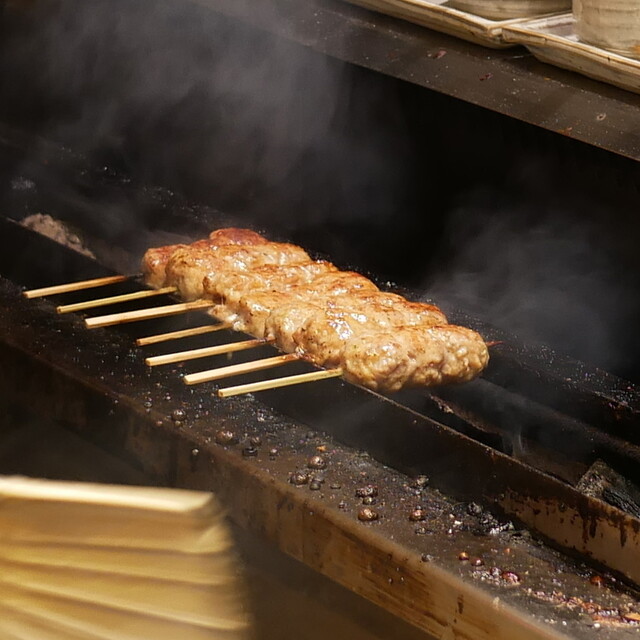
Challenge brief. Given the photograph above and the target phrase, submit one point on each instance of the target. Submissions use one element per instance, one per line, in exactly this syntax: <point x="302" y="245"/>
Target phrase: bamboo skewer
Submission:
<point x="264" y="385"/>
<point x="74" y="286"/>
<point x="239" y="369"/>
<point x="102" y="302"/>
<point x="146" y="314"/>
<point x="183" y="333"/>
<point x="217" y="350"/>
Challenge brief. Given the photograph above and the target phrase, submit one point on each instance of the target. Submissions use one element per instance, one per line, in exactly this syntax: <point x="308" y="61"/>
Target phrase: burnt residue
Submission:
<point x="603" y="482"/>
<point x="601" y="614"/>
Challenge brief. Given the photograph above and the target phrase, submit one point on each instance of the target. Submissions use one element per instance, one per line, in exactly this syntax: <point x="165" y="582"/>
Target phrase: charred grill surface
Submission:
<point x="413" y="441"/>
<point x="254" y="456"/>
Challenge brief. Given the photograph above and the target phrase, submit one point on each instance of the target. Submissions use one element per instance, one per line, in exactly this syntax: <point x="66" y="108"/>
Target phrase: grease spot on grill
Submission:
<point x="250" y="452"/>
<point x="226" y="437"/>
<point x="273" y="452"/>
<point x="177" y="415"/>
<point x="299" y="478"/>
<point x="417" y="515"/>
<point x="369" y="500"/>
<point x="255" y="441"/>
<point x="317" y="462"/>
<point x="367" y="514"/>
<point x="420" y="482"/>
<point x="463" y="556"/>
<point x="367" y="491"/>
<point x="477" y="562"/>
<point x="423" y="531"/>
<point x="510" y="577"/>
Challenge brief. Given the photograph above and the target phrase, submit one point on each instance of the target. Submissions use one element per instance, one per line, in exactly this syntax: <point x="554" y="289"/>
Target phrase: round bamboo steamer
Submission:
<point x="611" y="24"/>
<point x="508" y="9"/>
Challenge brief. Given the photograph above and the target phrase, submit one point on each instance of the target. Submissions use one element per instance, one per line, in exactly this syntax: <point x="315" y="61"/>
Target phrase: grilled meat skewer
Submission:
<point x="155" y="259"/>
<point x="187" y="267"/>
<point x="329" y="317"/>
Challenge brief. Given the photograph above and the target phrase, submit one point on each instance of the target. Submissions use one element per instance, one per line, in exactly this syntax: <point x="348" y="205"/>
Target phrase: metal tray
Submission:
<point x="554" y="40"/>
<point x="438" y="15"/>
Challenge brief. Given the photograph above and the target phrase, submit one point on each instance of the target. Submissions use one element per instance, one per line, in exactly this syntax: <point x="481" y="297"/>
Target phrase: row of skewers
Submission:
<point x="309" y="309"/>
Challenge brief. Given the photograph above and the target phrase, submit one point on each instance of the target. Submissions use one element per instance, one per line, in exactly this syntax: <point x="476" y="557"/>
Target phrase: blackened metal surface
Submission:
<point x="96" y="383"/>
<point x="391" y="433"/>
<point x="511" y="82"/>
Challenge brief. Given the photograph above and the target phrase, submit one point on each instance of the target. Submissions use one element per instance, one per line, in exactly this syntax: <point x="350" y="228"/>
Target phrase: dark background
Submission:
<point x="525" y="228"/>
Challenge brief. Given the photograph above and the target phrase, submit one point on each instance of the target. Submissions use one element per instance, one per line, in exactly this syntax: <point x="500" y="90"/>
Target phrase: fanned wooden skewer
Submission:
<point x="146" y="314"/>
<point x="264" y="385"/>
<point x="183" y="333"/>
<point x="217" y="350"/>
<point x="74" y="286"/>
<point x="103" y="302"/>
<point x="239" y="369"/>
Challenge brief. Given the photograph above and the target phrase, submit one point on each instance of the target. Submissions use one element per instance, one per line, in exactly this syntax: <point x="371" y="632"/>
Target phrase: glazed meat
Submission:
<point x="154" y="263"/>
<point x="245" y="299"/>
<point x="414" y="357"/>
<point x="232" y="235"/>
<point x="329" y="317"/>
<point x="322" y="337"/>
<point x="155" y="260"/>
<point x="188" y="267"/>
<point x="229" y="286"/>
<point x="248" y="301"/>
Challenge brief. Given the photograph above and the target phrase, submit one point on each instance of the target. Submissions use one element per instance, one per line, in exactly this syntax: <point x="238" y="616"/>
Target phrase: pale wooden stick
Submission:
<point x="193" y="354"/>
<point x="264" y="385"/>
<point x="146" y="314"/>
<point x="103" y="302"/>
<point x="183" y="333"/>
<point x="238" y="369"/>
<point x="74" y="286"/>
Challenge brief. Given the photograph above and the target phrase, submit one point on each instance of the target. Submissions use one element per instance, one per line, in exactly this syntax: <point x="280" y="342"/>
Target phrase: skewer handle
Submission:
<point x="103" y="302"/>
<point x="74" y="286"/>
<point x="193" y="354"/>
<point x="279" y="382"/>
<point x="239" y="369"/>
<point x="146" y="314"/>
<point x="183" y="333"/>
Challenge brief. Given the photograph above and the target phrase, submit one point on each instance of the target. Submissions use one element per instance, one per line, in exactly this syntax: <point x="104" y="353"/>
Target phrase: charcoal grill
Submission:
<point x="484" y="529"/>
<point x="96" y="382"/>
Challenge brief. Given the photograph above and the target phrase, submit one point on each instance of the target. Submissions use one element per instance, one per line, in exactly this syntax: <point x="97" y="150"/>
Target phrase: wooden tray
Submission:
<point x="508" y="9"/>
<point x="554" y="40"/>
<point x="438" y="15"/>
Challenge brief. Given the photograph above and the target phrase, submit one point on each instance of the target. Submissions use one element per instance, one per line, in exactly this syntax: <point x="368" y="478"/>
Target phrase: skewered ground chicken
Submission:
<point x="356" y="330"/>
<point x="229" y="286"/>
<point x="155" y="260"/>
<point x="187" y="267"/>
<point x="247" y="299"/>
<point x="414" y="357"/>
<point x="380" y="340"/>
<point x="331" y="318"/>
<point x="322" y="337"/>
<point x="154" y="263"/>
